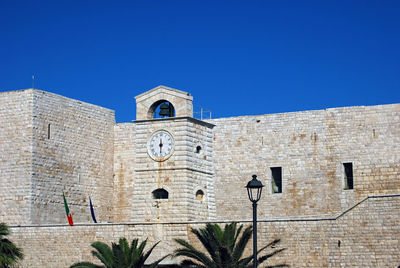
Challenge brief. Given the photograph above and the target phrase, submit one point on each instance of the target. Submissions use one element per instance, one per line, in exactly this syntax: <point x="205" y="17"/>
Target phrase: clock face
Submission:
<point x="160" y="145"/>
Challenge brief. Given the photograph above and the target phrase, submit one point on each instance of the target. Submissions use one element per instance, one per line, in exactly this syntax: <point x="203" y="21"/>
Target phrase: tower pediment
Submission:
<point x="147" y="102"/>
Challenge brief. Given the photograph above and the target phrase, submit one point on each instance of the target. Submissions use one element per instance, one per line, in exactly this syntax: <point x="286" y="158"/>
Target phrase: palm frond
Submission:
<point x="229" y="235"/>
<point x="191" y="264"/>
<point x="123" y="244"/>
<point x="245" y="261"/>
<point x="4" y="230"/>
<point x="238" y="231"/>
<point x="134" y="253"/>
<point x="85" y="265"/>
<point x="155" y="263"/>
<point x="272" y="244"/>
<point x="225" y="247"/>
<point x="266" y="257"/>
<point x="147" y="254"/>
<point x="10" y="254"/>
<point x="191" y="252"/>
<point x="120" y="259"/>
<point x="241" y="244"/>
<point x="103" y="253"/>
<point x="121" y="255"/>
<point x="207" y="240"/>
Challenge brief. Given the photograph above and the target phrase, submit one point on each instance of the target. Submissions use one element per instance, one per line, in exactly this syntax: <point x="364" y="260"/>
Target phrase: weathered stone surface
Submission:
<point x="50" y="144"/>
<point x="368" y="235"/>
<point x="311" y="148"/>
<point x="16" y="135"/>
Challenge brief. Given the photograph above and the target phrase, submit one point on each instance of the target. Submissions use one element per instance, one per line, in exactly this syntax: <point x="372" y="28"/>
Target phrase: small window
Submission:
<point x="276" y="182"/>
<point x="160" y="194"/>
<point x="348" y="176"/>
<point x="198" y="149"/>
<point x="199" y="195"/>
<point x="48" y="131"/>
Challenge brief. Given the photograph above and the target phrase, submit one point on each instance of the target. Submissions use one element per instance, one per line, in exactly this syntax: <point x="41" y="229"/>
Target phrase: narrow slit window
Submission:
<point x="48" y="131"/>
<point x="160" y="194"/>
<point x="348" y="176"/>
<point x="276" y="182"/>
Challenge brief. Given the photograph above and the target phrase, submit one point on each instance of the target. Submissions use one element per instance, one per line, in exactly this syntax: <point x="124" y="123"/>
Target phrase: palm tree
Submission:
<point x="9" y="253"/>
<point x="224" y="247"/>
<point x="120" y="255"/>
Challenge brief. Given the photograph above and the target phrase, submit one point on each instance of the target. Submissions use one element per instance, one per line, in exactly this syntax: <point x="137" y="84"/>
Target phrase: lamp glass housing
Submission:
<point x="254" y="189"/>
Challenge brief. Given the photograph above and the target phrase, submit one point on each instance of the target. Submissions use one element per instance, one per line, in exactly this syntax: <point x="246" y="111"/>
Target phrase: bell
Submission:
<point x="165" y="110"/>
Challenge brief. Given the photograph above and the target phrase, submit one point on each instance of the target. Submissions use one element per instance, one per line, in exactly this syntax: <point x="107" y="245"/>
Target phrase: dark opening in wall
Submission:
<point x="162" y="109"/>
<point x="348" y="176"/>
<point x="160" y="194"/>
<point x="48" y="131"/>
<point x="276" y="181"/>
<point x="199" y="195"/>
<point x="198" y="149"/>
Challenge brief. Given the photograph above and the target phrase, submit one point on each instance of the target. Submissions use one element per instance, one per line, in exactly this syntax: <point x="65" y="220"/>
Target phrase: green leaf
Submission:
<point x="103" y="253"/>
<point x="85" y="265"/>
<point x="223" y="247"/>
<point x="121" y="255"/>
<point x="10" y="254"/>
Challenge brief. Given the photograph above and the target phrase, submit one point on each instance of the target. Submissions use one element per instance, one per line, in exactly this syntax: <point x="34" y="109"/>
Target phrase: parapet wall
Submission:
<point x="367" y="235"/>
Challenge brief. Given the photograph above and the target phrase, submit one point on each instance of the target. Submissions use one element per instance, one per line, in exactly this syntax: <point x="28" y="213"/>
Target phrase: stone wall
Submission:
<point x="311" y="147"/>
<point x="72" y="152"/>
<point x="50" y="144"/>
<point x="15" y="156"/>
<point x="201" y="178"/>
<point x="124" y="171"/>
<point x="369" y="236"/>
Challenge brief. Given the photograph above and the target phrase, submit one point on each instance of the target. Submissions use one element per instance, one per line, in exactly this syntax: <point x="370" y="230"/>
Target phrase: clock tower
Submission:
<point x="173" y="178"/>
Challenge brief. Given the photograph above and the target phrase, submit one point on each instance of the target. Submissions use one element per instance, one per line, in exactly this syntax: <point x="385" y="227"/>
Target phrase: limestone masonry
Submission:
<point x="332" y="178"/>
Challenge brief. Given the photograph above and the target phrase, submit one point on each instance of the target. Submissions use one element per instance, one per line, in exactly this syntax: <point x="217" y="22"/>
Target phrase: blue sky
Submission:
<point x="234" y="57"/>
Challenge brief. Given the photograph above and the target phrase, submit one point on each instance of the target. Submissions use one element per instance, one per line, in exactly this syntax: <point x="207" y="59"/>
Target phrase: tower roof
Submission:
<point x="161" y="90"/>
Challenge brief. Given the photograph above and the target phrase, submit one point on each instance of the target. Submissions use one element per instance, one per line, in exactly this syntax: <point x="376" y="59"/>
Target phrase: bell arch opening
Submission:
<point x="161" y="109"/>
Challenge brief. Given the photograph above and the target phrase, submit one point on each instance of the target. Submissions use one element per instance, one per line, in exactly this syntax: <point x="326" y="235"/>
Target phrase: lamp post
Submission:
<point x="254" y="189"/>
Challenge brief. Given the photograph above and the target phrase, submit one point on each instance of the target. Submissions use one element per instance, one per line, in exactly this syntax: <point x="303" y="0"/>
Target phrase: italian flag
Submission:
<point x="69" y="215"/>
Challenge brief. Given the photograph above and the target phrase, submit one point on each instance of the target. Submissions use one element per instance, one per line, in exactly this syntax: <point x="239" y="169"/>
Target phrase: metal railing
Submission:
<point x="201" y="113"/>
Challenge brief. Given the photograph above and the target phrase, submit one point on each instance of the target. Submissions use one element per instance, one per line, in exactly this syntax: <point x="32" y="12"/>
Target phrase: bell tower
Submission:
<point x="147" y="103"/>
<point x="174" y="168"/>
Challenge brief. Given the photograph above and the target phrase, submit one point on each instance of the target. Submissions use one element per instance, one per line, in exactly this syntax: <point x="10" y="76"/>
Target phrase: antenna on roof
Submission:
<point x="33" y="81"/>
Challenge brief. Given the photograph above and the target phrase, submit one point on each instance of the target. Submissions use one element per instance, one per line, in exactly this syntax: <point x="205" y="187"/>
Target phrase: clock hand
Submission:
<point x="160" y="145"/>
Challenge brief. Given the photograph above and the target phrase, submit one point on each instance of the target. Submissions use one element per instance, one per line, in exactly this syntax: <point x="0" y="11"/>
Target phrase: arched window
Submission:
<point x="199" y="195"/>
<point x="160" y="194"/>
<point x="198" y="149"/>
<point x="162" y="109"/>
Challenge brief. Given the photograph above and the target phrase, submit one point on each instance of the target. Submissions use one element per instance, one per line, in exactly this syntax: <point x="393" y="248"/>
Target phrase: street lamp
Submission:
<point x="254" y="189"/>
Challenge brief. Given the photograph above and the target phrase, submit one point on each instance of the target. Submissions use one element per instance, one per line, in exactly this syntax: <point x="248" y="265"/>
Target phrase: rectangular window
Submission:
<point x="276" y="182"/>
<point x="48" y="131"/>
<point x="348" y="176"/>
